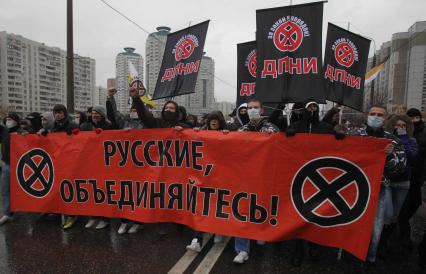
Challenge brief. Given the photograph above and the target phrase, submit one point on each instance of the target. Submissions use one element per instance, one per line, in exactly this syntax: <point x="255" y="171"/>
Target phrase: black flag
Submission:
<point x="181" y="61"/>
<point x="246" y="74"/>
<point x="345" y="63"/>
<point x="289" y="53"/>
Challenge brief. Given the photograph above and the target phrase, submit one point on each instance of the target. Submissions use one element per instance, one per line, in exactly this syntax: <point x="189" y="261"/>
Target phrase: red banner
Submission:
<point x="252" y="185"/>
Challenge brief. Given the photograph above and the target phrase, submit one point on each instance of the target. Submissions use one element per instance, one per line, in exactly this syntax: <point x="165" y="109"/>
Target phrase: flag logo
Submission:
<point x="345" y="52"/>
<point x="185" y="47"/>
<point x="288" y="33"/>
<point x="251" y="63"/>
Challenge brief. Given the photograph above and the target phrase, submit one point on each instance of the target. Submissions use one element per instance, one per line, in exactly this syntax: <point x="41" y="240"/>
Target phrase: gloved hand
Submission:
<point x="75" y="131"/>
<point x="98" y="130"/>
<point x="69" y="131"/>
<point x="339" y="136"/>
<point x="43" y="132"/>
<point x="290" y="132"/>
<point x="340" y="132"/>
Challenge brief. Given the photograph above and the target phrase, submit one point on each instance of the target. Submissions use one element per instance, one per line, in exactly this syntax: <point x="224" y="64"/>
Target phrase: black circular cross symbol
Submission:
<point x="288" y="36"/>
<point x="37" y="173"/>
<point x="185" y="49"/>
<point x="330" y="191"/>
<point x="344" y="54"/>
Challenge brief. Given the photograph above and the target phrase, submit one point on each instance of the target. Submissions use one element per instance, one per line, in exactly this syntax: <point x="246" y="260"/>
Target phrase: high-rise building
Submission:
<point x="33" y="78"/>
<point x="202" y="101"/>
<point x="226" y="108"/>
<point x="111" y="83"/>
<point x="122" y="74"/>
<point x="401" y="84"/>
<point x="102" y="96"/>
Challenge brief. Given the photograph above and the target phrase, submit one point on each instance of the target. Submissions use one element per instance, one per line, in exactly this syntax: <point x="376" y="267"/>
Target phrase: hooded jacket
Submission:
<point x="238" y="123"/>
<point x="150" y="121"/>
<point x="310" y="123"/>
<point x="50" y="120"/>
<point x="216" y="115"/>
<point x="103" y="124"/>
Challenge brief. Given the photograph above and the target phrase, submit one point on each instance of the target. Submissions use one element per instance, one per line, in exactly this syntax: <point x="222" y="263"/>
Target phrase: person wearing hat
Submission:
<point x="98" y="122"/>
<point x="11" y="121"/>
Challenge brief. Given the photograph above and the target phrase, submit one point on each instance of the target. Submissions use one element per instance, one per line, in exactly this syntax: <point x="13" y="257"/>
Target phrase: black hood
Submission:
<point x="216" y="115"/>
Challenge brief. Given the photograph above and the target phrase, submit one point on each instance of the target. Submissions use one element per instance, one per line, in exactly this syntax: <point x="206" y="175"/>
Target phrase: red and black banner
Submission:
<point x="181" y="61"/>
<point x="246" y="72"/>
<point x="308" y="186"/>
<point x="345" y="64"/>
<point x="289" y="54"/>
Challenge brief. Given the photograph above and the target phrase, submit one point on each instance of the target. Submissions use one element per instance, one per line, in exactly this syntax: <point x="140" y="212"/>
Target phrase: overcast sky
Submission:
<point x="101" y="33"/>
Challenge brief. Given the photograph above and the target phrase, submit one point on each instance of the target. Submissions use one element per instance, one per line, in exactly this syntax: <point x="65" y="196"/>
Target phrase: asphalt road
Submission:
<point x="31" y="245"/>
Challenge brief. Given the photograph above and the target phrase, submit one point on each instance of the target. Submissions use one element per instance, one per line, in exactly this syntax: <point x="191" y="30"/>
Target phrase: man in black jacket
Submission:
<point x="310" y="122"/>
<point x="418" y="177"/>
<point x="62" y="120"/>
<point x="169" y="114"/>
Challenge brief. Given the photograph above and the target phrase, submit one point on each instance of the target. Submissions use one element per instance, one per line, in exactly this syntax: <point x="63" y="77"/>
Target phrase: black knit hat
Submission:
<point x="413" y="112"/>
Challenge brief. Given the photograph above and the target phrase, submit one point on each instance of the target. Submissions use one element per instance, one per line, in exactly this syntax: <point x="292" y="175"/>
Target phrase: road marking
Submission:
<point x="210" y="259"/>
<point x="188" y="257"/>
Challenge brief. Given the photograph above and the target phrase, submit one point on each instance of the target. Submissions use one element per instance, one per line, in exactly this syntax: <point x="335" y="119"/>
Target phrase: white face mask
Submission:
<point x="401" y="131"/>
<point x="77" y="121"/>
<point x="253" y="113"/>
<point x="11" y="123"/>
<point x="134" y="115"/>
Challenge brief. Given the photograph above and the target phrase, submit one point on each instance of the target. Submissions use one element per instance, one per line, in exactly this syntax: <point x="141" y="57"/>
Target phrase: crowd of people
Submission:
<point x="401" y="208"/>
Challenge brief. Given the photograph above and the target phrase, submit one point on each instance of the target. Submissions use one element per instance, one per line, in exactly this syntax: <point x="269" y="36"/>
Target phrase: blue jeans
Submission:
<point x="241" y="244"/>
<point x="394" y="200"/>
<point x="379" y="221"/>
<point x="5" y="189"/>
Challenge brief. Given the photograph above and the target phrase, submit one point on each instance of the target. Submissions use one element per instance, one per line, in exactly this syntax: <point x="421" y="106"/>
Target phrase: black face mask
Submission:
<point x="311" y="117"/>
<point x="244" y="118"/>
<point x="168" y="115"/>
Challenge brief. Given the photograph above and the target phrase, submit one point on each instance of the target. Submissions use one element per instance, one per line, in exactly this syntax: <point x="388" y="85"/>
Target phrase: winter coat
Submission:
<point x="150" y="121"/>
<point x="261" y="125"/>
<point x="396" y="162"/>
<point x="307" y="125"/>
<point x="237" y="124"/>
<point x="103" y="124"/>
<point x="409" y="143"/>
<point x="118" y="120"/>
<point x="419" y="168"/>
